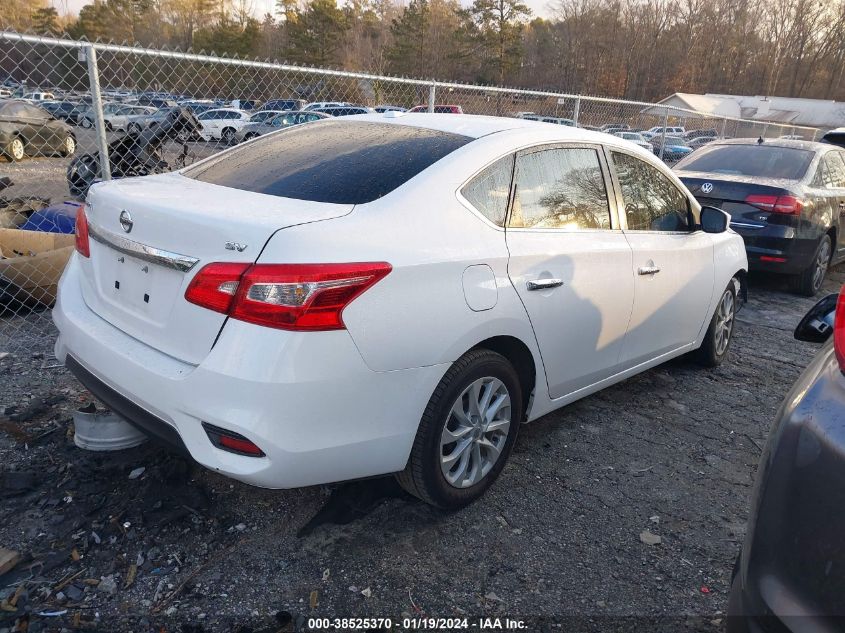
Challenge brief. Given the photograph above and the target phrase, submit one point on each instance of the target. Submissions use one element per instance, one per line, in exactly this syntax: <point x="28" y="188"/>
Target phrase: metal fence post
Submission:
<point x="432" y="92"/>
<point x="663" y="131"/>
<point x="577" y="110"/>
<point x="724" y="126"/>
<point x="765" y="130"/>
<point x="97" y="110"/>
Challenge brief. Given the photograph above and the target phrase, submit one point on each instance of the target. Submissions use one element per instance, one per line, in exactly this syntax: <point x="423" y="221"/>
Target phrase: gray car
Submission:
<point x="790" y="575"/>
<point x="281" y="120"/>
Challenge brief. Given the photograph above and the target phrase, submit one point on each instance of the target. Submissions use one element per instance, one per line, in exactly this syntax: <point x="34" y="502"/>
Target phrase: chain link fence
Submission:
<point x="64" y="104"/>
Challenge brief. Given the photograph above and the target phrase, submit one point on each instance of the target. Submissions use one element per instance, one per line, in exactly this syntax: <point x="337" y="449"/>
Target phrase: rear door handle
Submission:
<point x="544" y="284"/>
<point x="648" y="270"/>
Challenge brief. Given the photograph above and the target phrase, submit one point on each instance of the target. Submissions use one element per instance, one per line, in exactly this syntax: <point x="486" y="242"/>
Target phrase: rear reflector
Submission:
<point x="285" y="296"/>
<point x="83" y="245"/>
<point x="788" y="205"/>
<point x="230" y="441"/>
<point x="839" y="330"/>
<point x="769" y="258"/>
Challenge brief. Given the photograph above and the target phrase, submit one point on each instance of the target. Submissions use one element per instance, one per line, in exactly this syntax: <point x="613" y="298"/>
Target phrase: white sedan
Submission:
<point x="389" y="293"/>
<point x="222" y="124"/>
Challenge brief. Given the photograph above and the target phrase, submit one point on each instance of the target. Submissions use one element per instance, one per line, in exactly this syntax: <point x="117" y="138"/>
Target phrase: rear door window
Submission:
<point x="334" y="161"/>
<point x="560" y="188"/>
<point x="652" y="201"/>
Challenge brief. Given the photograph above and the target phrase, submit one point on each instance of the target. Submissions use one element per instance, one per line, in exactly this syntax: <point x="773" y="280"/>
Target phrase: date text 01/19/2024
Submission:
<point x="417" y="624"/>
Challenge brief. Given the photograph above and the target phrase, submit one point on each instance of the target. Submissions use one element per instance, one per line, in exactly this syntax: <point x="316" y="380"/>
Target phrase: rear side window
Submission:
<point x="760" y="161"/>
<point x="334" y="161"/>
<point x="488" y="191"/>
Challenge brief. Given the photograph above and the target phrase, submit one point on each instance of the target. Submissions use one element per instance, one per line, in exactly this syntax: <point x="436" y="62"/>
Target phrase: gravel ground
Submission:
<point x="671" y="451"/>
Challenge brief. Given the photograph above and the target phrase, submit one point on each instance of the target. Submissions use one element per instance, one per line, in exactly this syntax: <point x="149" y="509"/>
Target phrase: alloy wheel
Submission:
<point x="475" y="432"/>
<point x="725" y="321"/>
<point x="70" y="146"/>
<point x="821" y="263"/>
<point x="16" y="149"/>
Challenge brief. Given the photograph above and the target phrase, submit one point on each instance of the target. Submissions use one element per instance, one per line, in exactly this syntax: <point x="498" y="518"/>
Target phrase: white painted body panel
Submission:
<point x="329" y="406"/>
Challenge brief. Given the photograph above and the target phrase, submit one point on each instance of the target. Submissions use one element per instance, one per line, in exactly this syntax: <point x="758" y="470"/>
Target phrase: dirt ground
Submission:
<point x="178" y="548"/>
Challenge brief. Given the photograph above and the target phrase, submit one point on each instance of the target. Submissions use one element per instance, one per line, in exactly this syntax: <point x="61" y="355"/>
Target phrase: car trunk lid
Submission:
<point x="730" y="193"/>
<point x="136" y="278"/>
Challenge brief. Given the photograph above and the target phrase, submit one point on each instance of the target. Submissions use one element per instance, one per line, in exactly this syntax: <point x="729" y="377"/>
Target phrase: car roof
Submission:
<point x="778" y="142"/>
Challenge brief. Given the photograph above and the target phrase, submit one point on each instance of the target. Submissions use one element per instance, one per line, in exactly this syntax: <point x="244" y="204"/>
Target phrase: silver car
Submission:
<point x="281" y="120"/>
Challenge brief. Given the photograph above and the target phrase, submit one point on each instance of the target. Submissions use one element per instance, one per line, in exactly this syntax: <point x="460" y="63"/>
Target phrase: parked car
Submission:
<point x="440" y="109"/>
<point x="548" y="119"/>
<point x="38" y="96"/>
<point x="785" y="199"/>
<point x="284" y="104"/>
<point x="244" y="326"/>
<point x="674" y="147"/>
<point x="700" y="141"/>
<point x="316" y="105"/>
<point x="344" y="110"/>
<point x="835" y="137"/>
<point x="389" y="108"/>
<point x="670" y="131"/>
<point x="789" y="576"/>
<point x="222" y="124"/>
<point x="27" y="130"/>
<point x="611" y="128"/>
<point x="118" y="117"/>
<point x="636" y="138"/>
<point x="792" y="137"/>
<point x="198" y="107"/>
<point x="264" y="115"/>
<point x="281" y="120"/>
<point x="243" y="104"/>
<point x="157" y="102"/>
<point x="69" y="111"/>
<point x="691" y="134"/>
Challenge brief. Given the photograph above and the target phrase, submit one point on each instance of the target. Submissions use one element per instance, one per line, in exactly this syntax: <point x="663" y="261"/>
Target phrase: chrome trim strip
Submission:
<point x="168" y="259"/>
<point x="743" y="225"/>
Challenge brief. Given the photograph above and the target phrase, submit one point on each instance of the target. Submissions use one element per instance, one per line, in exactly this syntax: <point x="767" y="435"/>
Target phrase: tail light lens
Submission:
<point x="83" y="246"/>
<point x="839" y="330"/>
<point x="789" y="205"/>
<point x="307" y="297"/>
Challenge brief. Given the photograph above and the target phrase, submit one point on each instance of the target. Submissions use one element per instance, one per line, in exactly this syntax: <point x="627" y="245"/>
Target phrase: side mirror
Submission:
<point x="817" y="324"/>
<point x="714" y="220"/>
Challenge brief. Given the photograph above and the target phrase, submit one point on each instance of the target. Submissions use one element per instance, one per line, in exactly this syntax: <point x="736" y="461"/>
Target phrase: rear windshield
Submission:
<point x="762" y="161"/>
<point x="341" y="162"/>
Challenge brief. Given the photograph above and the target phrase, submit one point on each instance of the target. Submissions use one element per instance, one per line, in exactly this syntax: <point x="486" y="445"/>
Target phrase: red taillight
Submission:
<point x="284" y="296"/>
<point x="789" y="205"/>
<point x="83" y="246"/>
<point x="215" y="286"/>
<point x="839" y="330"/>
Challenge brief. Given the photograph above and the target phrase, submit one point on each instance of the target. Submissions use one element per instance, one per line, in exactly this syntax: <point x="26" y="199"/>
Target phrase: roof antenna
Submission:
<point x="760" y="140"/>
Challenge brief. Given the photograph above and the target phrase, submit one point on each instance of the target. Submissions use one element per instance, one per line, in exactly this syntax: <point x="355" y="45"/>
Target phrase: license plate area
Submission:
<point x="139" y="286"/>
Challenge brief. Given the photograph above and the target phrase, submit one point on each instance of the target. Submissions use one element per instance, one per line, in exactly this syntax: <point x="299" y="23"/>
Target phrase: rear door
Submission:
<point x="835" y="189"/>
<point x="672" y="267"/>
<point x="570" y="263"/>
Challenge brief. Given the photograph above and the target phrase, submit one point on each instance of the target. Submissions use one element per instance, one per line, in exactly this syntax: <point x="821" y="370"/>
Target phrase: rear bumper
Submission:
<point x="306" y="399"/>
<point x="779" y="243"/>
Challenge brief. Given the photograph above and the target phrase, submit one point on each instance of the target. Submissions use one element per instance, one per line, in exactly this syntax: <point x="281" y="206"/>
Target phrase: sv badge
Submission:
<point x="235" y="246"/>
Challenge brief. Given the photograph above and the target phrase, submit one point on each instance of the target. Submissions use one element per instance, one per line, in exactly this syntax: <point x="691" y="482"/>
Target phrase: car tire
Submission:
<point x="450" y="475"/>
<point x="86" y="123"/>
<point x="809" y="282"/>
<point x="133" y="129"/>
<point x="69" y="146"/>
<point x="15" y="149"/>
<point x="719" y="335"/>
<point x="108" y="126"/>
<point x="228" y="135"/>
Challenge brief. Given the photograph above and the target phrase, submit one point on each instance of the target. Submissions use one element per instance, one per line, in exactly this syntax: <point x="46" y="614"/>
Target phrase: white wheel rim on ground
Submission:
<point x="17" y="149"/>
<point x="475" y="432"/>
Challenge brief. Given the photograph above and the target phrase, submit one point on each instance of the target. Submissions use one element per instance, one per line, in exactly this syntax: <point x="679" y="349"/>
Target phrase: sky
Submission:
<point x="539" y="7"/>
